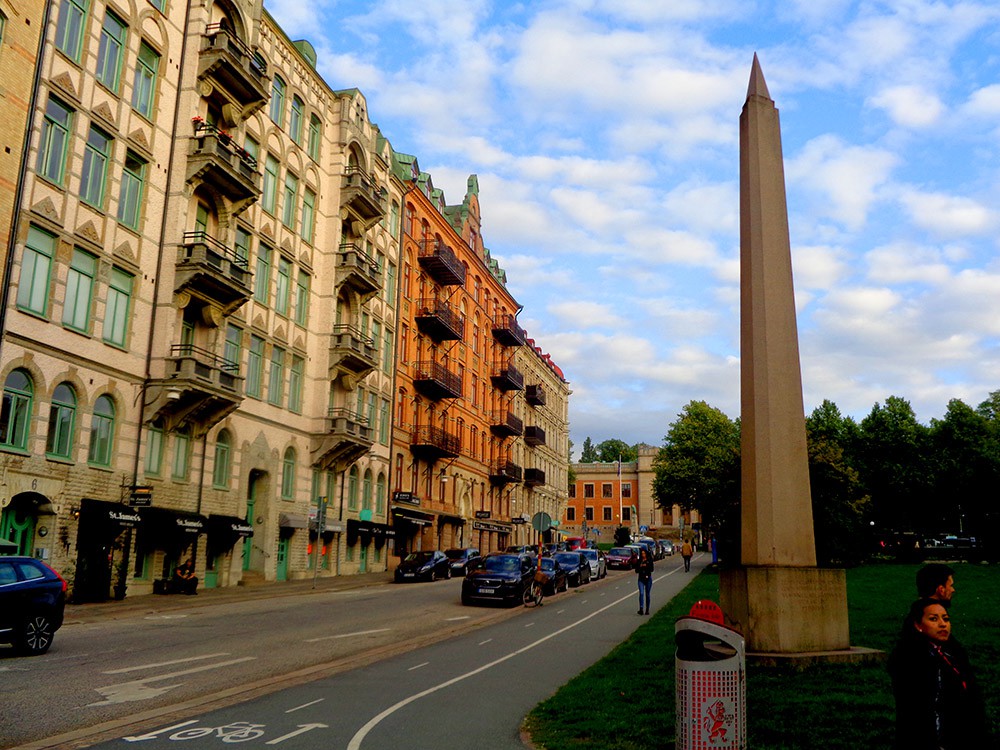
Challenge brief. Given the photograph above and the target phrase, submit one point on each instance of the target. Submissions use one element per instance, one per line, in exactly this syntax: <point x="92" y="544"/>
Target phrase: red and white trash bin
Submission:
<point x="710" y="668"/>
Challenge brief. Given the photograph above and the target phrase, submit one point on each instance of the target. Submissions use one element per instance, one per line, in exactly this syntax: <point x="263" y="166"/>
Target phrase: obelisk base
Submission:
<point x="786" y="610"/>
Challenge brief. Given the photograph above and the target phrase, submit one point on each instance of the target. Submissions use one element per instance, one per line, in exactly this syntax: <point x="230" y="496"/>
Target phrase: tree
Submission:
<point x="589" y="454"/>
<point x="613" y="450"/>
<point x="622" y="536"/>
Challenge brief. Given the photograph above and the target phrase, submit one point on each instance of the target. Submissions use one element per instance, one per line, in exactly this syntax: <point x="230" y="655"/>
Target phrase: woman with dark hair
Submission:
<point x="938" y="703"/>
<point x="644" y="572"/>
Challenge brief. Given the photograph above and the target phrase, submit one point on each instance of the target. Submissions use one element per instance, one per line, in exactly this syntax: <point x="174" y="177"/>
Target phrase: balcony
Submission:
<point x="534" y="436"/>
<point x="535" y="395"/>
<point x="441" y="263"/>
<point x="199" y="390"/>
<point x="439" y="320"/>
<point x="361" y="196"/>
<point x="213" y="272"/>
<point x="432" y="443"/>
<point x="507" y="332"/>
<point x="352" y="351"/>
<point x="357" y="270"/>
<point x="534" y="477"/>
<point x="504" y="424"/>
<point x="506" y="377"/>
<point x="214" y="159"/>
<point x="436" y="381"/>
<point x="505" y="472"/>
<point x="228" y="65"/>
<point x="347" y="437"/>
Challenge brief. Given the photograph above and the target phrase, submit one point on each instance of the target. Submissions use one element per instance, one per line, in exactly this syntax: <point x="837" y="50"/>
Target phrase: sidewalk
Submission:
<point x="156" y="603"/>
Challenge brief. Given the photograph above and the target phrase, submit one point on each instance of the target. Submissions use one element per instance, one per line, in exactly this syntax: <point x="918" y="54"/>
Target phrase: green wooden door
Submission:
<point x="282" y="560"/>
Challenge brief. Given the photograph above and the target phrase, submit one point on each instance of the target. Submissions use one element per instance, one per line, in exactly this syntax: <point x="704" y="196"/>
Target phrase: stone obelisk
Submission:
<point x="777" y="597"/>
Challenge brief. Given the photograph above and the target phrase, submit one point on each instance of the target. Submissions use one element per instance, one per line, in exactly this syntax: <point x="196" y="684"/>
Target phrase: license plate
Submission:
<point x="487" y="591"/>
<point x="408" y="575"/>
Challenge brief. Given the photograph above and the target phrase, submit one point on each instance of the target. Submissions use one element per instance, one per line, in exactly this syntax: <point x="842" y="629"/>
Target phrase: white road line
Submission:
<point x="347" y="635"/>
<point x="305" y="705"/>
<point x="154" y="665"/>
<point x="139" y="690"/>
<point x="530" y="625"/>
<point x="183" y="672"/>
<point x="418" y="666"/>
<point x="456" y="619"/>
<point x="359" y="736"/>
<point x="483" y="643"/>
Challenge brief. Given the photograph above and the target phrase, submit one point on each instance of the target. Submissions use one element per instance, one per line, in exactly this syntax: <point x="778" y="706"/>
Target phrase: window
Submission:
<point x="607" y="512"/>
<point x="572" y="490"/>
<point x="295" y="124"/>
<point x="352" y="489"/>
<point x="52" y="148"/>
<point x="288" y="475"/>
<point x="79" y="290"/>
<point x="255" y="367"/>
<point x="283" y="292"/>
<point x="262" y="277"/>
<point x="146" y="67"/>
<point x="308" y="215"/>
<point x="269" y="197"/>
<point x="314" y="137"/>
<point x="223" y="456"/>
<point x="606" y="490"/>
<point x="154" y="449"/>
<point x="394" y="219"/>
<point x="588" y="490"/>
<point x="182" y="454"/>
<point x="291" y="200"/>
<point x="158" y="4"/>
<point x="589" y="513"/>
<point x="380" y="494"/>
<point x="36" y="265"/>
<point x="133" y="181"/>
<point x="243" y="246"/>
<point x="253" y="150"/>
<point x="383" y="423"/>
<point x="232" y="349"/>
<point x="570" y="514"/>
<point x="62" y="419"/>
<point x="626" y="514"/>
<point x="102" y="432"/>
<point x="15" y="415"/>
<point x="117" y="308"/>
<point x="390" y="283"/>
<point x="69" y="32"/>
<point x="387" y="363"/>
<point x="109" y="53"/>
<point x="295" y="375"/>
<point x="277" y="100"/>
<point x="626" y="489"/>
<point x="366" y="490"/>
<point x="302" y="298"/>
<point x="95" y="167"/>
<point x="276" y="379"/>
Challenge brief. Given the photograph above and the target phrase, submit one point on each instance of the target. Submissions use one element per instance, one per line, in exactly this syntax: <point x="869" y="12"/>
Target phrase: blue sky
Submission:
<point x="605" y="137"/>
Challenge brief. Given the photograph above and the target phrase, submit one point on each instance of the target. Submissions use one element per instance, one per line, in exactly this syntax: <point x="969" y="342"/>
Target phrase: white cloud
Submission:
<point x="948" y="215"/>
<point x="901" y="263"/>
<point x="909" y="106"/>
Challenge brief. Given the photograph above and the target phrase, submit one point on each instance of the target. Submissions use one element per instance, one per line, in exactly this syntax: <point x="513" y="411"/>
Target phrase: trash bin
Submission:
<point x="710" y="666"/>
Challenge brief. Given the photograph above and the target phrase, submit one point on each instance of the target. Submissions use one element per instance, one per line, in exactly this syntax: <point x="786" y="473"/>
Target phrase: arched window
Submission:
<point x="352" y="489"/>
<point x="16" y="413"/>
<point x="277" y="101"/>
<point x="315" y="130"/>
<point x="380" y="494"/>
<point x="62" y="420"/>
<point x="366" y="491"/>
<point x="295" y="124"/>
<point x="223" y="459"/>
<point x="288" y="475"/>
<point x="102" y="432"/>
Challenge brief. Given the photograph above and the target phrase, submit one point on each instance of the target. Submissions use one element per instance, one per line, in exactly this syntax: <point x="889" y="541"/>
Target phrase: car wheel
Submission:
<point x="36" y="635"/>
<point x="447" y="573"/>
<point x="565" y="585"/>
<point x="466" y="600"/>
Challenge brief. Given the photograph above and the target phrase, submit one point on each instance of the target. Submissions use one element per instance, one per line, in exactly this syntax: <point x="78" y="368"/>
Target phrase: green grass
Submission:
<point x="626" y="701"/>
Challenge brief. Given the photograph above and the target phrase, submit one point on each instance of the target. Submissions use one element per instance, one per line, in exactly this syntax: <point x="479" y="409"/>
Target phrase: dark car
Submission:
<point x="554" y="547"/>
<point x="577" y="567"/>
<point x="501" y="578"/>
<point x="621" y="558"/>
<point x="556" y="576"/>
<point x="423" y="566"/>
<point x="462" y="560"/>
<point x="32" y="601"/>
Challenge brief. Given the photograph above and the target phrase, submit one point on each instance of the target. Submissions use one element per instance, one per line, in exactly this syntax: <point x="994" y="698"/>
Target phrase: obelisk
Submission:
<point x="777" y="597"/>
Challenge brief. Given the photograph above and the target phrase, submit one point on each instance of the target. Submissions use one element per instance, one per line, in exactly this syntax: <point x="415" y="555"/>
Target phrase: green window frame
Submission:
<point x="383" y="423"/>
<point x="102" y="432"/>
<point x="276" y="377"/>
<point x="269" y="194"/>
<point x="182" y="454"/>
<point x="79" y="290"/>
<point x="255" y="367"/>
<point x="366" y="490"/>
<point x="15" y="413"/>
<point x="36" y="271"/>
<point x="277" y="107"/>
<point x="315" y="133"/>
<point x="380" y="494"/>
<point x="262" y="276"/>
<point x="308" y="227"/>
<point x="295" y="122"/>
<point x="390" y="284"/>
<point x="302" y="286"/>
<point x="296" y="374"/>
<point x="243" y="243"/>
<point x="291" y="200"/>
<point x="116" y="313"/>
<point x="53" y="145"/>
<point x="288" y="474"/>
<point x="387" y="352"/>
<point x="96" y="156"/>
<point x="160" y="5"/>
<point x="62" y="420"/>
<point x="69" y="30"/>
<point x="154" y="449"/>
<point x="283" y="286"/>
<point x="221" y="468"/>
<point x="232" y="351"/>
<point x="352" y="489"/>
<point x="132" y="188"/>
<point x="114" y="33"/>
<point x="147" y="65"/>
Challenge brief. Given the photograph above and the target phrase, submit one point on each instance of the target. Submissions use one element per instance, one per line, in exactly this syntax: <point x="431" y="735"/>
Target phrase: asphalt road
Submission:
<point x="359" y="674"/>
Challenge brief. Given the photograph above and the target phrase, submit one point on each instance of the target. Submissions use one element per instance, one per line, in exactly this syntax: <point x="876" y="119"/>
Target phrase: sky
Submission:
<point x="605" y="136"/>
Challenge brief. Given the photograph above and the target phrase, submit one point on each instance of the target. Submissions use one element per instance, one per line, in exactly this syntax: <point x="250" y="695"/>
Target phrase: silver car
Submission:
<point x="598" y="563"/>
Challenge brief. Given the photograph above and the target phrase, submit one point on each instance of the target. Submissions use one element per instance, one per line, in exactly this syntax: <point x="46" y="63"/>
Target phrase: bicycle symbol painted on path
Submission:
<point x="236" y="731"/>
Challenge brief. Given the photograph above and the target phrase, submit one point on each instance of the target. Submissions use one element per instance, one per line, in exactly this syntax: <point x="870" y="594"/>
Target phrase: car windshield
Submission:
<point x="419" y="557"/>
<point x="590" y="554"/>
<point x="502" y="563"/>
<point x="568" y="558"/>
<point x="455" y="554"/>
<point x="548" y="564"/>
<point x="620" y="551"/>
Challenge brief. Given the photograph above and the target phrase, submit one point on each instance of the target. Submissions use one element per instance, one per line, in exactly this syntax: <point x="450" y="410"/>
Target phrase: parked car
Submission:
<point x="668" y="547"/>
<point x="621" y="558"/>
<point x="576" y="566"/>
<point x="553" y="547"/>
<point x="501" y="578"/>
<point x="462" y="560"/>
<point x="598" y="563"/>
<point x="426" y="565"/>
<point x="32" y="602"/>
<point x="556" y="576"/>
<point x="517" y="549"/>
<point x="575" y="542"/>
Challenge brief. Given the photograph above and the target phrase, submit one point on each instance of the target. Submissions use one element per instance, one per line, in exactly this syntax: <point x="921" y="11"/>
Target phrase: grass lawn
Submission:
<point x="626" y="701"/>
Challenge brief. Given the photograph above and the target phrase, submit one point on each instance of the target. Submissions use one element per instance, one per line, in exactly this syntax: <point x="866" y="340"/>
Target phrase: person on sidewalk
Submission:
<point x="185" y="581"/>
<point x="686" y="552"/>
<point x="644" y="575"/>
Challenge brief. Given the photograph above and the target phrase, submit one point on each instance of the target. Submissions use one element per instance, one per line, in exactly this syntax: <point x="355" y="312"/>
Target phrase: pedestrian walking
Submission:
<point x="644" y="575"/>
<point x="686" y="552"/>
<point x="936" y="581"/>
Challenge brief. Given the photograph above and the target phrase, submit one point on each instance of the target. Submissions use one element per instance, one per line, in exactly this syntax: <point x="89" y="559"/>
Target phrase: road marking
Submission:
<point x="164" y="617"/>
<point x="303" y="728"/>
<point x="152" y="735"/>
<point x="138" y="690"/>
<point x="305" y="705"/>
<point x="530" y="625"/>
<point x="483" y="643"/>
<point x="418" y="666"/>
<point x="456" y="619"/>
<point x="359" y="736"/>
<point x="347" y="635"/>
<point x="164" y="663"/>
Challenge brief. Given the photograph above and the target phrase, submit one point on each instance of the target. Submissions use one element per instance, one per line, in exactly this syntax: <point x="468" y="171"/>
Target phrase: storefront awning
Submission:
<point x="293" y="521"/>
<point x="113" y="518"/>
<point x="167" y="528"/>
<point x="413" y="516"/>
<point x="218" y="524"/>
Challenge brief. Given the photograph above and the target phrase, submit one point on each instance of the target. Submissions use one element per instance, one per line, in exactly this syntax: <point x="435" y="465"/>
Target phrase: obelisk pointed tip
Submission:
<point x="757" y="87"/>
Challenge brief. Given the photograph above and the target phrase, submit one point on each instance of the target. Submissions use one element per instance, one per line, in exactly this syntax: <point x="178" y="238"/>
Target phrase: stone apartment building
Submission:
<point x="199" y="349"/>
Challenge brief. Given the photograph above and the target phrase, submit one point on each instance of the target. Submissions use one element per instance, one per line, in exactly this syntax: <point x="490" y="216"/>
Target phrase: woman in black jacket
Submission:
<point x="644" y="571"/>
<point x="938" y="703"/>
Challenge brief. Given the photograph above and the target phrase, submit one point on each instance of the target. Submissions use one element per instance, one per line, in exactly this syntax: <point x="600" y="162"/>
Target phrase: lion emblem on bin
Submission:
<point x="717" y="721"/>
